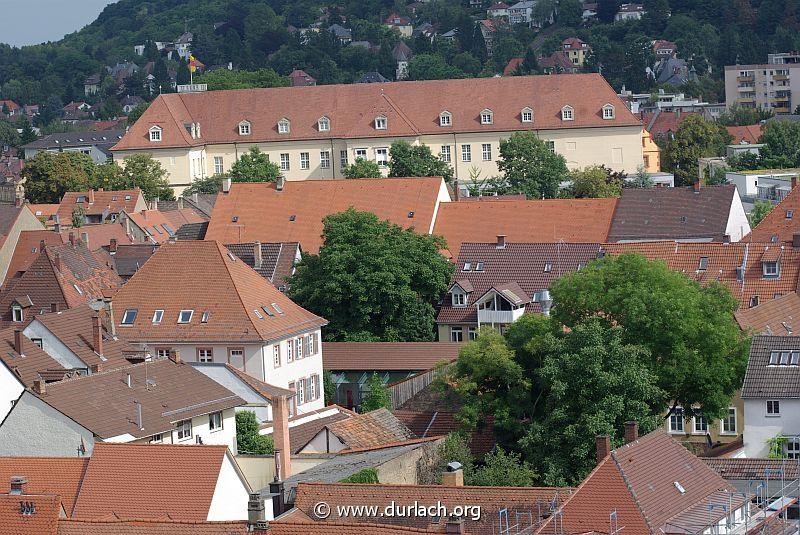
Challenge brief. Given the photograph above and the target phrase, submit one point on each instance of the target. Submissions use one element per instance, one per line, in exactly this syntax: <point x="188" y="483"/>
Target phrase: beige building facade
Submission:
<point x="765" y="86"/>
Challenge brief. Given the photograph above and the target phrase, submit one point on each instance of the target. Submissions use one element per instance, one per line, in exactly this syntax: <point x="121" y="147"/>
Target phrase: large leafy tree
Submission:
<point x="372" y="279"/>
<point x="362" y="168"/>
<point x="378" y="396"/>
<point x="8" y="134"/>
<point x="248" y="440"/>
<point x="416" y="160"/>
<point x="781" y="141"/>
<point x="254" y="166"/>
<point x="49" y="175"/>
<point x="696" y="138"/>
<point x="142" y="171"/>
<point x="594" y="182"/>
<point x="530" y="167"/>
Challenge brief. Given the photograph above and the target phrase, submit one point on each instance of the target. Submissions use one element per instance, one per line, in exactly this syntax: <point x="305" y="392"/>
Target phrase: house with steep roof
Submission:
<point x="129" y="258"/>
<point x="68" y="526"/>
<point x="780" y="316"/>
<point x="98" y="206"/>
<point x="576" y="50"/>
<point x="273" y="261"/>
<point x="558" y="62"/>
<point x="463" y="120"/>
<point x="147" y="226"/>
<point x="401" y="23"/>
<point x="498" y="10"/>
<point x="780" y="226"/>
<point x="198" y="298"/>
<point x="94" y="144"/>
<point x="630" y="12"/>
<point x="161" y="402"/>
<point x="45" y="475"/>
<point x="29" y="244"/>
<point x="300" y="78"/>
<point x="368" y="430"/>
<point x="305" y="425"/>
<point x="13" y="221"/>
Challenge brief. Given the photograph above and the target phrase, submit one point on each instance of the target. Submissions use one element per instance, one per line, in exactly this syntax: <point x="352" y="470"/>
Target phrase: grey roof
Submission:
<point x="129" y="258"/>
<point x="104" y="139"/>
<point x="373" y="77"/>
<point x="222" y="374"/>
<point x="340" y="31"/>
<point x="277" y="259"/>
<point x="763" y="380"/>
<point x="192" y="231"/>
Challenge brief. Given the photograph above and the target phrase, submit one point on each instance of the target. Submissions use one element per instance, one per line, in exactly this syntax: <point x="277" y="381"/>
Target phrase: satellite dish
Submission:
<point x="97" y="305"/>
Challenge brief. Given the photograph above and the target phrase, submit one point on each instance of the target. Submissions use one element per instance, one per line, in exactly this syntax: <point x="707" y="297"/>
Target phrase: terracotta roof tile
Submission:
<point x="537" y="221"/>
<point x="331" y="528"/>
<point x="149" y="527"/>
<point x="33" y="361"/>
<point x="390" y="356"/>
<point x="438" y="423"/>
<point x="99" y="202"/>
<point x="154" y="224"/>
<point x="780" y="224"/>
<point x="43" y="211"/>
<point x="741" y="468"/>
<point x="258" y="212"/>
<point x="177" y="278"/>
<point x="776" y="316"/>
<point x="277" y="259"/>
<point x="44" y="521"/>
<point x="8" y="218"/>
<point x="28" y="249"/>
<point x="375" y="428"/>
<point x="129" y="258"/>
<point x="748" y="134"/>
<point x="100" y="235"/>
<point x="300" y="435"/>
<point x="662" y="123"/>
<point x="46" y="475"/>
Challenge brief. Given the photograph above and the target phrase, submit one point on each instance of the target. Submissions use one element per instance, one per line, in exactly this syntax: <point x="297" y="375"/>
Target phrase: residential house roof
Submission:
<point x="32" y="364"/>
<point x="402" y="52"/>
<point x="558" y="62"/>
<point x="202" y="203"/>
<point x="437" y="423"/>
<point x="9" y="214"/>
<point x="46" y="475"/>
<point x="167" y="391"/>
<point x="373" y="77"/>
<point x="277" y="259"/>
<point x="301" y="434"/>
<point x="371" y="429"/>
<point x="261" y="388"/>
<point x="396" y="20"/>
<point x="10" y="104"/>
<point x="290" y="527"/>
<point x="491" y="499"/>
<point x="498" y="5"/>
<point x="259" y="212"/>
<point x="300" y="78"/>
<point x="44" y="521"/>
<point x="773" y="369"/>
<point x="150" y="481"/>
<point x="411" y="108"/>
<point x="512" y="66"/>
<point x="572" y="43"/>
<point x="673" y="213"/>
<point x="660" y="44"/>
<point x="99" y="236"/>
<point x="43" y="211"/>
<point x="192" y="231"/>
<point x="340" y="31"/>
<point x="229" y="300"/>
<point x="779" y="225"/>
<point x="631" y="8"/>
<point x="664" y="122"/>
<point x="748" y="134"/>
<point x="522" y="221"/>
<point x="743" y="468"/>
<point x="387" y="356"/>
<point x="152" y="527"/>
<point x="152" y="223"/>
<point x="531" y="267"/>
<point x="771" y="317"/>
<point x="28" y="248"/>
<point x="638" y="481"/>
<point x="11" y="169"/>
<point x="104" y="140"/>
<point x="128" y="259"/>
<point x="98" y="202"/>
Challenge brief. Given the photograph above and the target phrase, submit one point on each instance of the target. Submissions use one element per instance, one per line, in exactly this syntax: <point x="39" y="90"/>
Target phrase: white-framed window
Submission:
<point x="487" y="117"/>
<point x="236" y="357"/>
<point x="305" y="160"/>
<point x="292" y="400"/>
<point x="608" y="111"/>
<point x="444" y="155"/>
<point x="128" y="317"/>
<point x="676" y="421"/>
<point x="381" y="123"/>
<point x="793" y="448"/>
<point x="343" y="159"/>
<point x="486" y="152"/>
<point x="184" y="429"/>
<point x="771" y="269"/>
<point x="289" y="351"/>
<point x="459" y="299"/>
<point x="551" y="146"/>
<point x="472" y="332"/>
<point x="276" y="355"/>
<point x="382" y="156"/>
<point x="700" y="424"/>
<point x="314" y="343"/>
<point x="283" y="126"/>
<point x="325" y="159"/>
<point x="728" y="424"/>
<point x="312" y="387"/>
<point x="307" y="343"/>
<point x="215" y="421"/>
<point x="38" y="342"/>
<point x="301" y="391"/>
<point x="162" y="352"/>
<point x="466" y="153"/>
<point x="773" y="407"/>
<point x="456" y="334"/>
<point x="185" y="316"/>
<point x="158" y="315"/>
<point x="205" y="354"/>
<point x="157" y="439"/>
<point x="155" y="133"/>
<point x="284" y="161"/>
<point x="244" y="128"/>
<point x="219" y="166"/>
<point x="324" y="124"/>
<point x="445" y="118"/>
<point x="204" y="317"/>
<point x="361" y="153"/>
<point x="567" y="113"/>
<point x="526" y="115"/>
<point x="16" y="314"/>
<point x="298" y="345"/>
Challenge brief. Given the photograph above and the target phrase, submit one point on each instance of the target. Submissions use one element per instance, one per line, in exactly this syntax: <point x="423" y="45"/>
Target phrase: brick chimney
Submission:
<point x="91" y="196"/>
<point x="280" y="434"/>
<point x="794" y="182"/>
<point x="456" y="192"/>
<point x="257" y="255"/>
<point x="112" y="245"/>
<point x="42" y="245"/>
<point x="72" y="238"/>
<point x="603" y="443"/>
<point x="154" y="204"/>
<point x="631" y="432"/>
<point x="454" y="526"/>
<point x="175" y="356"/>
<point x="144" y="213"/>
<point x="53" y="307"/>
<point x="57" y="261"/>
<point x="39" y="386"/>
<point x="18" y="484"/>
<point x="280" y="183"/>
<point x="19" y="342"/>
<point x="85" y="238"/>
<point x="697" y="186"/>
<point x="96" y="368"/>
<point x="97" y="334"/>
<point x="453" y="476"/>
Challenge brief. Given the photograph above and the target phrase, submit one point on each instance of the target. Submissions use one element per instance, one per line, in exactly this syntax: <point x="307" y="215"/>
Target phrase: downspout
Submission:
<point x="455" y="156"/>
<point x="333" y="162"/>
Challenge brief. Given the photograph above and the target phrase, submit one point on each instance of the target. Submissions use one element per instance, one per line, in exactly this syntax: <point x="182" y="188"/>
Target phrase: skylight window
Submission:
<point x="789" y="214"/>
<point x="479" y="266"/>
<point x="258" y="314"/>
<point x="267" y="311"/>
<point x="129" y="316"/>
<point x="169" y="229"/>
<point x="158" y="315"/>
<point x="205" y="316"/>
<point x="185" y="316"/>
<point x="467" y="266"/>
<point x="548" y="267"/>
<point x="774" y="358"/>
<point x="785" y="355"/>
<point x="703" y="263"/>
<point x="277" y="308"/>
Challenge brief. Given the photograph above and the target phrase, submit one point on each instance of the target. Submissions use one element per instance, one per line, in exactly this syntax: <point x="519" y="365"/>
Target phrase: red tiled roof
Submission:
<point x="46" y="475"/>
<point x="258" y="212"/>
<point x="771" y="317"/>
<point x="33" y="361"/>
<point x="150" y="527"/>
<point x="178" y="482"/>
<point x="390" y="356"/>
<point x="342" y="528"/>
<point x="748" y="134"/>
<point x="661" y="123"/>
<point x="372" y="429"/>
<point x="512" y="65"/>
<point x="152" y="224"/>
<point x="99" y="201"/>
<point x="536" y="221"/>
<point x="183" y="216"/>
<point x="557" y="59"/>
<point x="439" y="423"/>
<point x="573" y="42"/>
<point x="28" y="249"/>
<point x="742" y="468"/>
<point x="100" y="235"/>
<point x="43" y="210"/>
<point x="780" y="224"/>
<point x="177" y="278"/>
<point x="44" y="521"/>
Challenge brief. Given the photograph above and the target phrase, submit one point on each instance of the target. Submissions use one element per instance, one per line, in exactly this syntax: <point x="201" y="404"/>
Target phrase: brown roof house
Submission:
<point x="780" y="225"/>
<point x="166" y="401"/>
<point x="779" y="316"/>
<point x="98" y="206"/>
<point x="13" y="220"/>
<point x="200" y="299"/>
<point x="273" y="261"/>
<point x="147" y="226"/>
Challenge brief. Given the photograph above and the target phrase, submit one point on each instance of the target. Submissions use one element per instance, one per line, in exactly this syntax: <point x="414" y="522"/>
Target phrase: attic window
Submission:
<point x="16" y="314"/>
<point x="127" y="197"/>
<point x="703" y="264"/>
<point x="292" y="217"/>
<point x="380" y="122"/>
<point x="258" y="314"/>
<point x="155" y="133"/>
<point x="679" y="487"/>
<point x="283" y="126"/>
<point x="244" y="128"/>
<point x="567" y="113"/>
<point x="548" y="267"/>
<point x="753" y="301"/>
<point x="608" y="111"/>
<point x="526" y="115"/>
<point x="205" y="316"/>
<point x="411" y="215"/>
<point x="267" y="311"/>
<point x="82" y="198"/>
<point x="277" y="308"/>
<point x="324" y="124"/>
<point x="479" y="266"/>
<point x="235" y="219"/>
<point x="467" y="266"/>
<point x="487" y="117"/>
<point x="129" y="316"/>
<point x="158" y="315"/>
<point x="445" y="118"/>
<point x="771" y="270"/>
<point x="789" y="214"/>
<point x="185" y="316"/>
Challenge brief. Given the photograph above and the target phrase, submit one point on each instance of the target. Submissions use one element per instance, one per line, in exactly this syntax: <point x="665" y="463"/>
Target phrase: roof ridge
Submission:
<point x="223" y="255"/>
<point x="431" y="486"/>
<point x="629" y="486"/>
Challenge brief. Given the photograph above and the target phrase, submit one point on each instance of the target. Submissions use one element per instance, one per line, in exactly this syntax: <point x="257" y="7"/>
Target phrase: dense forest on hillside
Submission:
<point x="255" y="34"/>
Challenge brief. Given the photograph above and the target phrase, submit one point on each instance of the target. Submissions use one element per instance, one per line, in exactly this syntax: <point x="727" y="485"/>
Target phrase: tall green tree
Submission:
<point x="145" y="173"/>
<point x="49" y="175"/>
<point x="570" y="13"/>
<point x="781" y="141"/>
<point x="503" y="469"/>
<point x="695" y="138"/>
<point x="530" y="167"/>
<point x="760" y="210"/>
<point x="373" y="280"/>
<point x="8" y="134"/>
<point x="28" y="135"/>
<point x="594" y="182"/>
<point x="254" y="166"/>
<point x="416" y="160"/>
<point x="378" y="396"/>
<point x="248" y="440"/>
<point x="362" y="168"/>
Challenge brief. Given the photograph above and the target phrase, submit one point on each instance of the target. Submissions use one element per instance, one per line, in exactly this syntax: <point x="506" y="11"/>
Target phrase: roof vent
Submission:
<point x="411" y="215"/>
<point x="235" y="219"/>
<point x="679" y="487"/>
<point x="292" y="217"/>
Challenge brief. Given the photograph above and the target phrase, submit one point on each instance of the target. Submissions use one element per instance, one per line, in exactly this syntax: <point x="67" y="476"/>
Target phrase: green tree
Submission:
<point x="209" y="184"/>
<point x="254" y="166"/>
<point x="378" y="395"/>
<point x="695" y="138"/>
<point x="143" y="172"/>
<point x="137" y="112"/>
<point x="593" y="182"/>
<point x="49" y="175"/>
<point x="248" y="441"/>
<point x="595" y="382"/>
<point x="224" y="79"/>
<point x="454" y="448"/>
<point x="641" y="179"/>
<point x="108" y="176"/>
<point x="365" y="476"/>
<point x="570" y="13"/>
<point x="78" y="216"/>
<point x="759" y="212"/>
<point x="111" y="109"/>
<point x="416" y="160"/>
<point x="183" y="76"/>
<point x="27" y="135"/>
<point x="501" y="469"/>
<point x="530" y="167"/>
<point x="8" y="134"/>
<point x="362" y="168"/>
<point x="328" y="387"/>
<point x="373" y="280"/>
<point x="697" y="351"/>
<point x="746" y="161"/>
<point x="781" y="141"/>
<point x="738" y="116"/>
<point x="431" y="67"/>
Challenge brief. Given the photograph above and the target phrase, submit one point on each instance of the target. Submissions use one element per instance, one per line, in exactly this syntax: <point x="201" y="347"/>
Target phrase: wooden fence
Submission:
<point x="406" y="389"/>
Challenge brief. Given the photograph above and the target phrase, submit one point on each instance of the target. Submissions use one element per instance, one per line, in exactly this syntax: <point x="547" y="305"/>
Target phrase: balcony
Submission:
<point x="780" y="109"/>
<point x="780" y="77"/>
<point x="503" y="317"/>
<point x="745" y="78"/>
<point x="745" y="100"/>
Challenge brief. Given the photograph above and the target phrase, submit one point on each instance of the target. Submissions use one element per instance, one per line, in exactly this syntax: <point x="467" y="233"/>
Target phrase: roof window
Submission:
<point x="487" y="117"/>
<point x="479" y="266"/>
<point x="185" y="316"/>
<point x="324" y="124"/>
<point x="283" y="126"/>
<point x="467" y="266"/>
<point x="548" y="267"/>
<point x="277" y="308"/>
<point x="381" y="123"/>
<point x="789" y="214"/>
<point x="129" y="316"/>
<point x="258" y="314"/>
<point x="608" y="111"/>
<point x="205" y="316"/>
<point x="155" y="133"/>
<point x="526" y="115"/>
<point x="567" y="113"/>
<point x="158" y="315"/>
<point x="445" y="118"/>
<point x="267" y="311"/>
<point x="703" y="264"/>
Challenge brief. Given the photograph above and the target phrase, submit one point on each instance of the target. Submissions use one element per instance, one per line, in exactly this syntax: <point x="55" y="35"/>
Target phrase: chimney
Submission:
<point x="57" y="227"/>
<point x="57" y="261"/>
<point x="180" y="203"/>
<point x="18" y="202"/>
<point x="154" y="204"/>
<point x="501" y="241"/>
<point x="255" y="510"/>
<point x="456" y="191"/>
<point x="276" y="488"/>
<point x="112" y="246"/>
<point x="280" y="182"/>
<point x="96" y="368"/>
<point x="18" y="485"/>
<point x="226" y="185"/>
<point x="794" y="182"/>
<point x="175" y="356"/>
<point x="280" y="434"/>
<point x="257" y="255"/>
<point x="91" y="196"/>
<point x="796" y="240"/>
<point x="195" y="198"/>
<point x="603" y="443"/>
<point x="19" y="342"/>
<point x="97" y="334"/>
<point x="144" y="213"/>
<point x="631" y="432"/>
<point x="139" y="418"/>
<point x="72" y="238"/>
<point x="454" y="526"/>
<point x="85" y="238"/>
<point x="453" y="476"/>
<point x="42" y="245"/>
<point x="697" y="186"/>
<point x="39" y="386"/>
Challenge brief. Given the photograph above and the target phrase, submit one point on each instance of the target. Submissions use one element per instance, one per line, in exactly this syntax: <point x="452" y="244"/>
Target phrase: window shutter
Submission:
<point x="316" y="385"/>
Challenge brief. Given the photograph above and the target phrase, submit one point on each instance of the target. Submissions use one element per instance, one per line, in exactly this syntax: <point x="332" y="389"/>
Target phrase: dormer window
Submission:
<point x="185" y="316"/>
<point x="459" y="298"/>
<point x="527" y="115"/>
<point x="324" y="124"/>
<point x="244" y="128"/>
<point x="608" y="111"/>
<point x="487" y="117"/>
<point x="445" y="119"/>
<point x="283" y="126"/>
<point x="381" y="122"/>
<point x="771" y="270"/>
<point x="567" y="113"/>
<point x="155" y="133"/>
<point x="16" y="314"/>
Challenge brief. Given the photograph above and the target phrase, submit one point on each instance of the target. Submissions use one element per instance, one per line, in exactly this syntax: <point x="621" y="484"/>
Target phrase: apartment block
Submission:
<point x="767" y="86"/>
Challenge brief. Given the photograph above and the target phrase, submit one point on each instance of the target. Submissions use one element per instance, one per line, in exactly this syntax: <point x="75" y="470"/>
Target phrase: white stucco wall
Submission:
<point x="53" y="346"/>
<point x="231" y="495"/>
<point x="225" y="436"/>
<point x="738" y="224"/>
<point x="10" y="390"/>
<point x="324" y="442"/>
<point x="758" y="427"/>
